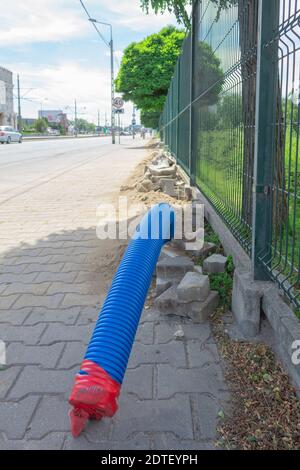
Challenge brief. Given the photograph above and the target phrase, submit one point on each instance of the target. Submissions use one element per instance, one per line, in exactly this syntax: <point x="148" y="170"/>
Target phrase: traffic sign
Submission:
<point x="118" y="103"/>
<point x="119" y="111"/>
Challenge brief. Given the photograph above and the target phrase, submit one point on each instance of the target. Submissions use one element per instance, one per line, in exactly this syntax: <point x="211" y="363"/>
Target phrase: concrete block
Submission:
<point x="170" y="268"/>
<point x="198" y="269"/>
<point x="206" y="249"/>
<point x="215" y="264"/>
<point x="145" y="186"/>
<point x="163" y="162"/>
<point x="188" y="192"/>
<point x="193" y="287"/>
<point x="170" y="171"/>
<point x="161" y="285"/>
<point x="169" y="304"/>
<point x="201" y="311"/>
<point x="168" y="187"/>
<point x="246" y="303"/>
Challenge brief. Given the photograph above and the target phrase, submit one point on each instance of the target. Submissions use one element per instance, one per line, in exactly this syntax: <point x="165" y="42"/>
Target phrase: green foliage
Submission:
<point x="211" y="237"/>
<point x="230" y="111"/>
<point x="146" y="70"/>
<point x="290" y="109"/>
<point x="223" y="282"/>
<point x="179" y="8"/>
<point x="59" y="127"/>
<point x="230" y="266"/>
<point x="176" y="6"/>
<point x="209" y="75"/>
<point x="41" y="125"/>
<point x="84" y="126"/>
<point x="150" y="119"/>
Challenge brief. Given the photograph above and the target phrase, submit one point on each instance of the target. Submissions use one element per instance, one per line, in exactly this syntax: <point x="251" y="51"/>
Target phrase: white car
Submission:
<point x="9" y="134"/>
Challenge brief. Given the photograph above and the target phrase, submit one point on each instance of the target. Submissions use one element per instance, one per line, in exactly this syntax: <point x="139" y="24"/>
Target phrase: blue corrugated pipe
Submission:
<point x="98" y="383"/>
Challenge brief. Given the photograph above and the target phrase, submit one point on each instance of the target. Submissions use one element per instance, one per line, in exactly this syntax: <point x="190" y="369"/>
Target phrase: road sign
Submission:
<point x="118" y="103"/>
<point x="119" y="111"/>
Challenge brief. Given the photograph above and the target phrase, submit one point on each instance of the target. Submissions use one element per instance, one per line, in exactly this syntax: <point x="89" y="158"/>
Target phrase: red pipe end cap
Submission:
<point x="78" y="420"/>
<point x="94" y="396"/>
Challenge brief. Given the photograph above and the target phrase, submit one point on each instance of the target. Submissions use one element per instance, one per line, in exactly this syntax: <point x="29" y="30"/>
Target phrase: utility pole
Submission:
<point x="75" y="123"/>
<point x="98" y="118"/>
<point x="19" y="107"/>
<point x="112" y="88"/>
<point x="109" y="44"/>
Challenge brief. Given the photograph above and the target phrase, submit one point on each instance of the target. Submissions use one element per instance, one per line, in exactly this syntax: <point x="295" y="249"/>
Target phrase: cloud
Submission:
<point x="56" y="87"/>
<point x="31" y="21"/>
<point x="128" y="13"/>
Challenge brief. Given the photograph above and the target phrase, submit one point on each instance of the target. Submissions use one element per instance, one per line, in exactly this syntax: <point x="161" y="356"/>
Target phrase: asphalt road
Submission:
<point x="27" y="165"/>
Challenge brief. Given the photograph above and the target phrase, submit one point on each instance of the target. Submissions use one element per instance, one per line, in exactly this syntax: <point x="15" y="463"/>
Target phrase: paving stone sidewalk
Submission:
<point x="171" y="396"/>
<point x="49" y="281"/>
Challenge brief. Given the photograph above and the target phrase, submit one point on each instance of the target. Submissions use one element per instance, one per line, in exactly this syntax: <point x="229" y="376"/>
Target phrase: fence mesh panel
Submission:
<point x="210" y="124"/>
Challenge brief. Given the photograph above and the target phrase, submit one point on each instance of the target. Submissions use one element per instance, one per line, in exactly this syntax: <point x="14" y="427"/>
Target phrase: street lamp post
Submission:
<point x="112" y="86"/>
<point x="111" y="47"/>
<point x="109" y="44"/>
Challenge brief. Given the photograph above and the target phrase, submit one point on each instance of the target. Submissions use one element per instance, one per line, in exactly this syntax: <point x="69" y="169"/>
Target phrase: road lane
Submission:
<point x="25" y="166"/>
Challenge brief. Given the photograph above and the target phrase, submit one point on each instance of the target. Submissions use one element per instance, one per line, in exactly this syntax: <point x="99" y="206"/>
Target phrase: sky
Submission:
<point x="59" y="56"/>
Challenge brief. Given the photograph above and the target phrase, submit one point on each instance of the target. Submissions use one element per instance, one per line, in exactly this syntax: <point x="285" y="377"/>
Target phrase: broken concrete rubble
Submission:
<point x="193" y="287"/>
<point x="215" y="264"/>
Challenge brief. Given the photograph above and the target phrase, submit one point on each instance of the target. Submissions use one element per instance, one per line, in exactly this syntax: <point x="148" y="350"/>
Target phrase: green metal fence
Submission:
<point x="231" y="119"/>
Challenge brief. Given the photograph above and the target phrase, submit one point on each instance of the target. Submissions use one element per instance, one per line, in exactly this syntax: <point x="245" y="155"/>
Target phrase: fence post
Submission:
<point x="177" y="111"/>
<point x="266" y="99"/>
<point x="191" y="175"/>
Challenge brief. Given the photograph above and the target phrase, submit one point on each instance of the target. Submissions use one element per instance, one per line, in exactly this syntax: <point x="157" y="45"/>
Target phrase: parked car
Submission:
<point x="53" y="131"/>
<point x="9" y="134"/>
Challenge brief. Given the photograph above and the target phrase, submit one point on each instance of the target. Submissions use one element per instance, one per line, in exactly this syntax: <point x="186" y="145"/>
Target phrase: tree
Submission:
<point x="58" y="127"/>
<point x="208" y="75"/>
<point x="179" y="8"/>
<point x="41" y="125"/>
<point x="150" y="119"/>
<point x="230" y="111"/>
<point x="146" y="70"/>
<point x="83" y="126"/>
<point x="176" y="6"/>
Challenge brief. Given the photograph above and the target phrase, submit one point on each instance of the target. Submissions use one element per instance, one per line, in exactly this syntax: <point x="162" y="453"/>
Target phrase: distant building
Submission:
<point x="7" y="115"/>
<point x="55" y="116"/>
